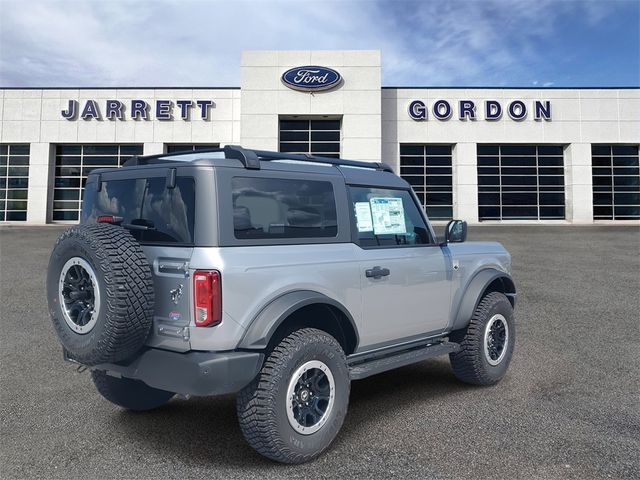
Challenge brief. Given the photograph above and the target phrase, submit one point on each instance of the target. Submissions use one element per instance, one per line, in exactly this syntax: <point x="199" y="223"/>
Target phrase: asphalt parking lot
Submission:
<point x="568" y="408"/>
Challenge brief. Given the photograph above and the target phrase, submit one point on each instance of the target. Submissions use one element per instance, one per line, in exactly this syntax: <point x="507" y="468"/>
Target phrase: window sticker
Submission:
<point x="388" y="216"/>
<point x="363" y="217"/>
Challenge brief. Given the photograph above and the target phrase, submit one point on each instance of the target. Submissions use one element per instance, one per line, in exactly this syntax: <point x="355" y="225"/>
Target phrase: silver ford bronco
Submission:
<point x="278" y="277"/>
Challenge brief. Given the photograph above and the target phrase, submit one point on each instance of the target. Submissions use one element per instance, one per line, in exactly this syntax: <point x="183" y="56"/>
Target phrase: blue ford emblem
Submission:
<point x="311" y="78"/>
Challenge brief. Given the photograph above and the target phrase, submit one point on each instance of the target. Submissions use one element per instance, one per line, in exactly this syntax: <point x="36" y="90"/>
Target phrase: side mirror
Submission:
<point x="456" y="231"/>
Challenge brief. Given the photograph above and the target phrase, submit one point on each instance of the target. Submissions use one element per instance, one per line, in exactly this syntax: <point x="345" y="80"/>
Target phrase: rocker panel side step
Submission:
<point x="364" y="369"/>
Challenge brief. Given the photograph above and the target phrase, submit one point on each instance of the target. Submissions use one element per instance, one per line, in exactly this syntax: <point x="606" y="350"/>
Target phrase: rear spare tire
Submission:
<point x="100" y="293"/>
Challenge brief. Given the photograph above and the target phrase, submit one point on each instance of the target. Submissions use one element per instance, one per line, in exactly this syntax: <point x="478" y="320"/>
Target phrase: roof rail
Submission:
<point x="251" y="158"/>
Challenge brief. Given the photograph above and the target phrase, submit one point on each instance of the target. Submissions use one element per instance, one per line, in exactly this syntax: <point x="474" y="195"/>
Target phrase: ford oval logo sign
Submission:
<point x="311" y="78"/>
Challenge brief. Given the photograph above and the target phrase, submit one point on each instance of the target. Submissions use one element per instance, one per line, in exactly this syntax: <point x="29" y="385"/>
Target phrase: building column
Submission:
<point x="578" y="183"/>
<point x="153" y="149"/>
<point x="465" y="182"/>
<point x="41" y="168"/>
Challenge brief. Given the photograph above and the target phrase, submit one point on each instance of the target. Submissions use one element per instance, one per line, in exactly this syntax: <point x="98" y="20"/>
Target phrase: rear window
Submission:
<point x="152" y="212"/>
<point x="274" y="208"/>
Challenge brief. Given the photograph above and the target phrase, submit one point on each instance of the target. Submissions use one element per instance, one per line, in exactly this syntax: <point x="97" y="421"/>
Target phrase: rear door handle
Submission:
<point x="377" y="272"/>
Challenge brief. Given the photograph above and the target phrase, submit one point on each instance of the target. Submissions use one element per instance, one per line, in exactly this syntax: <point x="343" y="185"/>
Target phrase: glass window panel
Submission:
<point x="550" y="161"/>
<point x="439" y="198"/>
<point x="439" y="213"/>
<point x="16" y="194"/>
<point x="3" y="161"/>
<point x="414" y="179"/>
<point x="634" y="171"/>
<point x="276" y="208"/>
<point x="66" y="194"/>
<point x="294" y="125"/>
<point x="325" y="147"/>
<point x="601" y="162"/>
<point x="69" y="150"/>
<point x="603" y="212"/>
<point x="518" y="171"/>
<point x="550" y="171"/>
<point x="486" y="198"/>
<point x="518" y="180"/>
<point x="488" y="149"/>
<point x="438" y="161"/>
<point x="517" y="150"/>
<point x="488" y="171"/>
<point x="435" y="180"/>
<point x="411" y="160"/>
<point x="415" y="231"/>
<point x="601" y="150"/>
<point x="18" y="149"/>
<point x="99" y="150"/>
<point x="625" y="161"/>
<point x="489" y="213"/>
<point x="439" y="171"/>
<point x="294" y="136"/>
<point x="101" y="161"/>
<point x="325" y="124"/>
<point x="65" y="215"/>
<point x="551" y="198"/>
<point x="17" y="182"/>
<point x="323" y="136"/>
<point x="434" y="150"/>
<point x="18" y="172"/>
<point x="626" y="212"/>
<point x="551" y="180"/>
<point x="625" y="150"/>
<point x="520" y="212"/>
<point x="18" y="160"/>
<point x="606" y="171"/>
<point x="69" y="205"/>
<point x="16" y="216"/>
<point x="412" y="150"/>
<point x="68" y="160"/>
<point x="489" y="180"/>
<point x="488" y="161"/>
<point x="550" y="150"/>
<point x="137" y="149"/>
<point x="513" y="198"/>
<point x="16" y="205"/>
<point x="411" y="170"/>
<point x="626" y="181"/>
<point x="602" y="198"/>
<point x="627" y="198"/>
<point x="556" y="212"/>
<point x="67" y="182"/>
<point x="518" y="161"/>
<point x="4" y="149"/>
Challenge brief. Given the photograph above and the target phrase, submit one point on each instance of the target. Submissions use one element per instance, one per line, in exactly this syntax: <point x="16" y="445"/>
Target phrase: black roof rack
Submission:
<point x="251" y="158"/>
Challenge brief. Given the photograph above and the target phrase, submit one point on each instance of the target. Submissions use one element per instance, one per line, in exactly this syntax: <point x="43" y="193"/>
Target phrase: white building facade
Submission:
<point x="485" y="155"/>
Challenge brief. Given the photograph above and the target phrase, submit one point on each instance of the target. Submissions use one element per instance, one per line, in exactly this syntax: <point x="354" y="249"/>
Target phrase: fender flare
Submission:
<point x="267" y="321"/>
<point x="474" y="292"/>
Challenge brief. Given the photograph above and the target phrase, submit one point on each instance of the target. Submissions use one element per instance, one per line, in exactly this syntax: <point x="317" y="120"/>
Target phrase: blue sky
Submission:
<point x="427" y="43"/>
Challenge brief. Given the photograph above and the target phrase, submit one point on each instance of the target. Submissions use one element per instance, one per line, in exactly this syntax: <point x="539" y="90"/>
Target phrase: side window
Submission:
<point x="270" y="208"/>
<point x="384" y="217"/>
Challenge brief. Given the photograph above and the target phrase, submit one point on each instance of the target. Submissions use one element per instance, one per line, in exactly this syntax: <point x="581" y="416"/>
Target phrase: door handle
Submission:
<point x="377" y="272"/>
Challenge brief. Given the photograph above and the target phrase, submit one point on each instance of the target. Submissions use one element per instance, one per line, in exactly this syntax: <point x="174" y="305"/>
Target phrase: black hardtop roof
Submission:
<point x="249" y="158"/>
<point x="374" y="174"/>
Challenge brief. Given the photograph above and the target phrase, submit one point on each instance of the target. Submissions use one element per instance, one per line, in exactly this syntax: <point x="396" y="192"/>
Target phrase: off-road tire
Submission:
<point x="470" y="364"/>
<point x="128" y="393"/>
<point x="125" y="286"/>
<point x="262" y="405"/>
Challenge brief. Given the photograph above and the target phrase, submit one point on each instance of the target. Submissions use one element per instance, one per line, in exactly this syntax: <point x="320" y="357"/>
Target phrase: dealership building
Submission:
<point x="485" y="155"/>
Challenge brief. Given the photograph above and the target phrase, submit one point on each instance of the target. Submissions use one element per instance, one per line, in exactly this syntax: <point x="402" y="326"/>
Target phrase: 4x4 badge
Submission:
<point x="176" y="293"/>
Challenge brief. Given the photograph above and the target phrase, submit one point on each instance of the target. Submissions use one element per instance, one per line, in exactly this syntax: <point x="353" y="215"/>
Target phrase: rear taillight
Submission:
<point x="108" y="219"/>
<point x="207" y="296"/>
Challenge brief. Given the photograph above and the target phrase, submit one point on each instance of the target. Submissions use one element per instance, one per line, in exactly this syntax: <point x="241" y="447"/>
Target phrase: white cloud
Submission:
<point x="198" y="43"/>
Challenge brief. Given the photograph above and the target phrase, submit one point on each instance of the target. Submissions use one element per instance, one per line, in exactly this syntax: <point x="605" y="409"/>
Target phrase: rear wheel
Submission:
<point x="295" y="407"/>
<point x="128" y="393"/>
<point x="486" y="345"/>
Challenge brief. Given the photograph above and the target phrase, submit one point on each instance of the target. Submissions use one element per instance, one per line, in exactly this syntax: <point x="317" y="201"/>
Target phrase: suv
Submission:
<point x="278" y="277"/>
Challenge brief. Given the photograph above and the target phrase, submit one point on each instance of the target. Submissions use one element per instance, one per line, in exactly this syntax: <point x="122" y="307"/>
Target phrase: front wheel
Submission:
<point x="295" y="407"/>
<point x="486" y="345"/>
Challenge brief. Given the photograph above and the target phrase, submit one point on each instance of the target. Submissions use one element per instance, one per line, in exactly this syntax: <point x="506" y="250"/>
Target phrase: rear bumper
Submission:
<point x="191" y="373"/>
